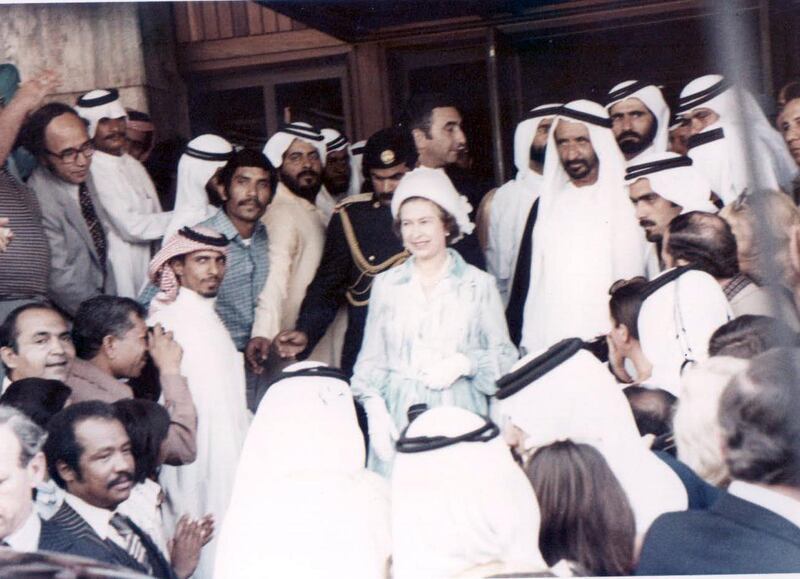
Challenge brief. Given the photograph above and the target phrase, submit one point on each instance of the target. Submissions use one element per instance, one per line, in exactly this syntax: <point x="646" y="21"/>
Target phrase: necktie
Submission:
<point x="92" y="222"/>
<point x="131" y="541"/>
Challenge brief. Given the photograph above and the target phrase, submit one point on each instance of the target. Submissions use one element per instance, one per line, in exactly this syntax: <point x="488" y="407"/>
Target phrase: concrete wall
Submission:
<point x="122" y="45"/>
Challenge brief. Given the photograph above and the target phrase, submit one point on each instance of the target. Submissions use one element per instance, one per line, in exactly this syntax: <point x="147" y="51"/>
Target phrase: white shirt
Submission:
<point x="214" y="371"/>
<point x="773" y="501"/>
<point x="26" y="538"/>
<point x="97" y="518"/>
<point x="135" y="219"/>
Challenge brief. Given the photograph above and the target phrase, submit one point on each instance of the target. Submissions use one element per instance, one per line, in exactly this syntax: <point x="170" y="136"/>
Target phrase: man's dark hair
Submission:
<point x="626" y="300"/>
<point x="9" y="332"/>
<point x="419" y="110"/>
<point x="146" y="423"/>
<point x="247" y="158"/>
<point x="758" y="414"/>
<point x="39" y="399"/>
<point x="99" y="317"/>
<point x="705" y="241"/>
<point x="750" y="335"/>
<point x="652" y="409"/>
<point x="62" y="445"/>
<point x="32" y="133"/>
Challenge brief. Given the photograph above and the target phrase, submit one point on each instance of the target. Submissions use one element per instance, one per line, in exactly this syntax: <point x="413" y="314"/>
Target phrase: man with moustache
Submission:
<point x="112" y="343"/>
<point x="189" y="271"/>
<point x="639" y="118"/>
<point x="661" y="186"/>
<point x="586" y="235"/>
<point x="296" y="232"/>
<point x="247" y="181"/>
<point x="89" y="455"/>
<point x="359" y="246"/>
<point x="72" y="215"/>
<point x="125" y="191"/>
<point x="435" y="124"/>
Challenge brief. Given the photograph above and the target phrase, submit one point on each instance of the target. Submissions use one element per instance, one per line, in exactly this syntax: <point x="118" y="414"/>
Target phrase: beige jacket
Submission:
<point x="296" y="238"/>
<point x="88" y="382"/>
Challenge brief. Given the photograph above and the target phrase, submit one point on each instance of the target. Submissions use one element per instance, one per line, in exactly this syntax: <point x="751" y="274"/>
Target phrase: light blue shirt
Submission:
<point x="407" y="331"/>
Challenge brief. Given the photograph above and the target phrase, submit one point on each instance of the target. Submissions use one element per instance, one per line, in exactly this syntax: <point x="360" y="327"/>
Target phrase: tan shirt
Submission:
<point x="296" y="238"/>
<point x="88" y="382"/>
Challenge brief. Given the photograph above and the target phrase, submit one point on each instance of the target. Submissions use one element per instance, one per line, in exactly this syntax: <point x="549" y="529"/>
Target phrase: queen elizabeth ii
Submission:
<point x="435" y="332"/>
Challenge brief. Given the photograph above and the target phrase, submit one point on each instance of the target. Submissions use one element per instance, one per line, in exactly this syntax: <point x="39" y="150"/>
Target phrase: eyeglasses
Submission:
<point x="70" y="156"/>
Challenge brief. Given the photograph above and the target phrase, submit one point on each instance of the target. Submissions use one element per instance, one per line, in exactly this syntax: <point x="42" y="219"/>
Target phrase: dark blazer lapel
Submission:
<point x="67" y="532"/>
<point x="755" y="517"/>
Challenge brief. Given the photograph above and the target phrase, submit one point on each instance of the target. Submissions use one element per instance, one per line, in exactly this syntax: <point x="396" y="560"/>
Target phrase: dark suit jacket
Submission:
<point x="67" y="532"/>
<point x="732" y="536"/>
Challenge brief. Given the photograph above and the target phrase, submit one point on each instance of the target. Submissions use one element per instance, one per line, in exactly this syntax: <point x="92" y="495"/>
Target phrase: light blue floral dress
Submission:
<point x="406" y="331"/>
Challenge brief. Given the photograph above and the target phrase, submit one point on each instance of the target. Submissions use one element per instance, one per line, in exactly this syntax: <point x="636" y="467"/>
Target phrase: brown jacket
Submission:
<point x="88" y="382"/>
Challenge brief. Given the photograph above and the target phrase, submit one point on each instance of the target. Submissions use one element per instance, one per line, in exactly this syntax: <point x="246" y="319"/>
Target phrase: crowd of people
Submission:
<point x="344" y="359"/>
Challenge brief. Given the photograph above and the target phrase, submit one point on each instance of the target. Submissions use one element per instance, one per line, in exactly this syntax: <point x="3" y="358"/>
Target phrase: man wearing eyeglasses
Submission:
<point x="71" y="214"/>
<point x="125" y="191"/>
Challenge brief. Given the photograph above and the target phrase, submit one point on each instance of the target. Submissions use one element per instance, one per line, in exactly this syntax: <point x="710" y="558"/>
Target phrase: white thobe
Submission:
<point x="214" y="370"/>
<point x="568" y="295"/>
<point x="129" y="198"/>
<point x="676" y="323"/>
<point x="508" y="214"/>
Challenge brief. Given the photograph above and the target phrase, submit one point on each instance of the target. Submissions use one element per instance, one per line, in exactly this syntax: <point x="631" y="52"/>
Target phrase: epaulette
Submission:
<point x="350" y="199"/>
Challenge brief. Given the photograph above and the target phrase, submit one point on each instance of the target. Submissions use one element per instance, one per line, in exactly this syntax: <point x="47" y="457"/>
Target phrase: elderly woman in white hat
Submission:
<point x="435" y="332"/>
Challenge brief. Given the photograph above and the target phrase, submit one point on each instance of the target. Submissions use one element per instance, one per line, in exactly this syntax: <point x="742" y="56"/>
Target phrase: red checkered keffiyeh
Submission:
<point x="187" y="240"/>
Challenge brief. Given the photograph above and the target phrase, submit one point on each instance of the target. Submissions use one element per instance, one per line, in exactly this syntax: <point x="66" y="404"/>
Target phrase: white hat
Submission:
<point x="283" y="139"/>
<point x="334" y="140"/>
<point x="434" y="185"/>
<point x="100" y="104"/>
<point x="653" y="99"/>
<point x="674" y="178"/>
<point x="526" y="131"/>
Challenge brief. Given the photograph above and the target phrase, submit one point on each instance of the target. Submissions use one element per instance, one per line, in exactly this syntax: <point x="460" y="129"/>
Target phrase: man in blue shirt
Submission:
<point x="247" y="183"/>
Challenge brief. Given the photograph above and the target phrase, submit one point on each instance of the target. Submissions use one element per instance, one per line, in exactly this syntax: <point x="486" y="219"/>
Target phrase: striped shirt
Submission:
<point x="25" y="265"/>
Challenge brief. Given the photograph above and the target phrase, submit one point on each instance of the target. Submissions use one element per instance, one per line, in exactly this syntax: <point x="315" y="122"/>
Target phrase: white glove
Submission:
<point x="442" y="374"/>
<point x="382" y="430"/>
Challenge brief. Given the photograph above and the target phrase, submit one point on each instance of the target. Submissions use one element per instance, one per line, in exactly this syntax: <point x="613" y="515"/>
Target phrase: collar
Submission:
<point x="26" y="538"/>
<point x="222" y="223"/>
<point x="107" y="158"/>
<point x="457" y="267"/>
<point x="192" y="298"/>
<point x="773" y="501"/>
<point x="736" y="285"/>
<point x="98" y="519"/>
<point x="43" y="181"/>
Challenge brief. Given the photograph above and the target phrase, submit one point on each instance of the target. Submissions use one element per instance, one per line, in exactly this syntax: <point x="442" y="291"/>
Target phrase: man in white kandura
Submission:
<point x="189" y="270"/>
<point x="125" y="190"/>
<point x="720" y="116"/>
<point x="198" y="167"/>
<point x="586" y="235"/>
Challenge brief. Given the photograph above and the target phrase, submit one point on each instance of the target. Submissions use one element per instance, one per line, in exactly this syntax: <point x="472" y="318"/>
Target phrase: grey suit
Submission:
<point x="76" y="272"/>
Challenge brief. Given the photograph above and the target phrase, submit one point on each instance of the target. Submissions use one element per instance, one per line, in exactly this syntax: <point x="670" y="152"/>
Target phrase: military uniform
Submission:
<point x="359" y="245"/>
